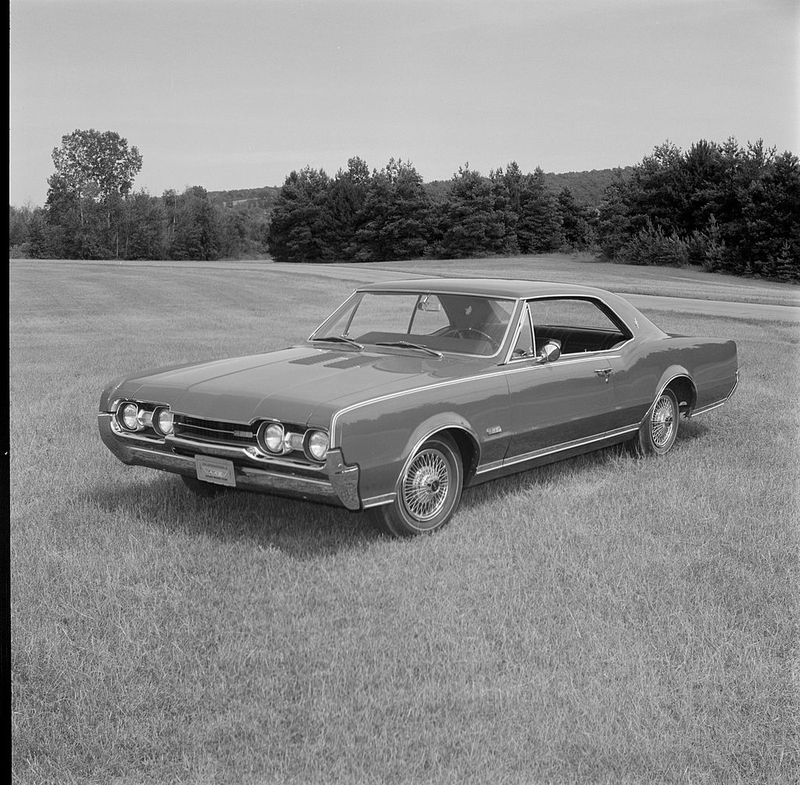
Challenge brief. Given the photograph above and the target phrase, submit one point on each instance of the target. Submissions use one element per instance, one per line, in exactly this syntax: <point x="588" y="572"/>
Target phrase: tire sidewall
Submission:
<point x="398" y="520"/>
<point x="647" y="445"/>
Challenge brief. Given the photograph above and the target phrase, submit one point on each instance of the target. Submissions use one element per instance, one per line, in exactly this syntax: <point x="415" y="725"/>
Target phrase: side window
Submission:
<point x="581" y="325"/>
<point x="524" y="346"/>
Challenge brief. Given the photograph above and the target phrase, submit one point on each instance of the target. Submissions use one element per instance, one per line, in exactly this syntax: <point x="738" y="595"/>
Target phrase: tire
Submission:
<point x="205" y="490"/>
<point x="659" y="430"/>
<point x="428" y="490"/>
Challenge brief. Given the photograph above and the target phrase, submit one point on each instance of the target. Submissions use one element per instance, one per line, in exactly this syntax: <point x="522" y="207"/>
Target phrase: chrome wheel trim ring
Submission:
<point x="425" y="485"/>
<point x="663" y="421"/>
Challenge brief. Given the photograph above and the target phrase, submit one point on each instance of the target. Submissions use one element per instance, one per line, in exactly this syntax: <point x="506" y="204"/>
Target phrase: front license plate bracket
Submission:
<point x="215" y="470"/>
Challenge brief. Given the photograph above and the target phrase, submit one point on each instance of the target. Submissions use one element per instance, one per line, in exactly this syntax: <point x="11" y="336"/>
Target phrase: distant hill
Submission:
<point x="587" y="188"/>
<point x="262" y="197"/>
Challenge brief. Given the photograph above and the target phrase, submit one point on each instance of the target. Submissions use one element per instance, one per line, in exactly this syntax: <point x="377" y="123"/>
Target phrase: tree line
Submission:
<point x="725" y="207"/>
<point x="722" y="206"/>
<point x="389" y="215"/>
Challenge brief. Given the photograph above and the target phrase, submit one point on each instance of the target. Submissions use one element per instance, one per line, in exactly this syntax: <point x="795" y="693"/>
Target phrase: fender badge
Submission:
<point x="495" y="429"/>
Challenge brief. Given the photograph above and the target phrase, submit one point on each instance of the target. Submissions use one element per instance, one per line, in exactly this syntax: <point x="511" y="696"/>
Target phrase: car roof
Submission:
<point x="485" y="287"/>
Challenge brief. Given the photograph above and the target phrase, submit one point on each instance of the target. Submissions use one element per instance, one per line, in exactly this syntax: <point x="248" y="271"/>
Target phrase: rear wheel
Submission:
<point x="660" y="428"/>
<point x="428" y="490"/>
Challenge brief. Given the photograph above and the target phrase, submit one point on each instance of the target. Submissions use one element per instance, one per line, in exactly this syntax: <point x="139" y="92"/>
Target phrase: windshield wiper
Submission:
<point x="409" y="345"/>
<point x="339" y="339"/>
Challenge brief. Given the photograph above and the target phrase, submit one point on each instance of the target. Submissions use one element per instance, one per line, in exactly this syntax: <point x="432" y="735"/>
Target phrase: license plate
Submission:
<point x="216" y="470"/>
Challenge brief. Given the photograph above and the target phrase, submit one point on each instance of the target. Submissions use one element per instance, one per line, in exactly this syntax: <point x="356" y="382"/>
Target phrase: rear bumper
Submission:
<point x="336" y="483"/>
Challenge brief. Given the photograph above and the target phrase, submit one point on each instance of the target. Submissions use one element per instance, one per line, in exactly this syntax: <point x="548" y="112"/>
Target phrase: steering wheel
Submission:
<point x="464" y="332"/>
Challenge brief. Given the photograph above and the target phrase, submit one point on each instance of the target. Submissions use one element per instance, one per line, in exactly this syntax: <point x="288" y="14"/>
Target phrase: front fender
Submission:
<point x="381" y="434"/>
<point x="466" y="439"/>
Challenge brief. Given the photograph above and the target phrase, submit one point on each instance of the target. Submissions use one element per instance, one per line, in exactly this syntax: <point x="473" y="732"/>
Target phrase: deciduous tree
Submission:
<point x="94" y="172"/>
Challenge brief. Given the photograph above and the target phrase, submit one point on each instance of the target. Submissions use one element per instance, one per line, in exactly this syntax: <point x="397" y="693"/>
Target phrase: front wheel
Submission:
<point x="428" y="490"/>
<point x="660" y="428"/>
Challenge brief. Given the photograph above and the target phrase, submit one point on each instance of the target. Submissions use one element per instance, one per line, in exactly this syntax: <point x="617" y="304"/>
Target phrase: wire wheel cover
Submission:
<point x="663" y="421"/>
<point x="426" y="484"/>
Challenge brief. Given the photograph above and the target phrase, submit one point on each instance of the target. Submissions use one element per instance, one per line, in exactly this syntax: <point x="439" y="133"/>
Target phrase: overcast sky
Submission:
<point x="231" y="94"/>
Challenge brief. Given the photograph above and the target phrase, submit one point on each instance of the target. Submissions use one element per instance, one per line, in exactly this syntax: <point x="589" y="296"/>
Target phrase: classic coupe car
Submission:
<point x="413" y="390"/>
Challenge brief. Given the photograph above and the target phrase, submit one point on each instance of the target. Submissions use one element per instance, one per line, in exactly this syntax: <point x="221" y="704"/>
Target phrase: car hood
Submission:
<point x="302" y="385"/>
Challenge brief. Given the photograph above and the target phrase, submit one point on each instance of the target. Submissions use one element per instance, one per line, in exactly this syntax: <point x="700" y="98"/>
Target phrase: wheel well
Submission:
<point x="467" y="448"/>
<point x="685" y="392"/>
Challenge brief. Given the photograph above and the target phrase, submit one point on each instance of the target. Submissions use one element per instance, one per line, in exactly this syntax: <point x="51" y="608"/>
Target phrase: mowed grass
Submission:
<point x="604" y="619"/>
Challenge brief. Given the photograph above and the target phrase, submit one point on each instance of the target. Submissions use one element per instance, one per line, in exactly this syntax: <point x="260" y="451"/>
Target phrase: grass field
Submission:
<point x="605" y="619"/>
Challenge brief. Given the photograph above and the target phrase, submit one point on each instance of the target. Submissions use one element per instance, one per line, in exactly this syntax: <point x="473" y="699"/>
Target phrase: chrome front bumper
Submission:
<point x="336" y="484"/>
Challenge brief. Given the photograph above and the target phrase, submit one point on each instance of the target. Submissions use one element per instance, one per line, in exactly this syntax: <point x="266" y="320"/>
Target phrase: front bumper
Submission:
<point x="335" y="482"/>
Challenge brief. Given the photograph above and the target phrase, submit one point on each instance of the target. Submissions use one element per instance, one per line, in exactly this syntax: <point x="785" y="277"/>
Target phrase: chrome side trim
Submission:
<point x="564" y="447"/>
<point x="564" y="359"/>
<point x="377" y="501"/>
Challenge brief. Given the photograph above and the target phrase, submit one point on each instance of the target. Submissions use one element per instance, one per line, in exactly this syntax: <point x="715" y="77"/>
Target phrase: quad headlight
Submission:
<point x="164" y="421"/>
<point x="278" y="439"/>
<point x="129" y="417"/>
<point x="272" y="437"/>
<point x="317" y="443"/>
<point x="133" y="417"/>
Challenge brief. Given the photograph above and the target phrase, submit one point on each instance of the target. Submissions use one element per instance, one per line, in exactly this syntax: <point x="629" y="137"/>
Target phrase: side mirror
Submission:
<point x="550" y="352"/>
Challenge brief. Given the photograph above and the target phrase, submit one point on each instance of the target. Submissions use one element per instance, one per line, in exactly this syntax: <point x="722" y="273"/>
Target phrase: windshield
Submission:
<point x="464" y="324"/>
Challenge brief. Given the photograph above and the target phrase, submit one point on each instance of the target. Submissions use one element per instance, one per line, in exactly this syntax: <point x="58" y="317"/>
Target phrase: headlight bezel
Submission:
<point x="144" y="418"/>
<point x="278" y="439"/>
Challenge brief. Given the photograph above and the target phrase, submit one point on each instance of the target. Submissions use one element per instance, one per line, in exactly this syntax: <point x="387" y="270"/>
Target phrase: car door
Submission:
<point x="566" y="401"/>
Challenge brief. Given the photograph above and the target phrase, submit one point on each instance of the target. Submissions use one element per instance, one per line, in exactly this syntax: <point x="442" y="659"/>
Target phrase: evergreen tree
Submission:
<point x="506" y="193"/>
<point x="395" y="219"/>
<point x="300" y="230"/>
<point x="539" y="227"/>
<point x="614" y="224"/>
<point x="576" y="222"/>
<point x="196" y="227"/>
<point x="469" y="224"/>
<point x="771" y="219"/>
<point x="347" y="194"/>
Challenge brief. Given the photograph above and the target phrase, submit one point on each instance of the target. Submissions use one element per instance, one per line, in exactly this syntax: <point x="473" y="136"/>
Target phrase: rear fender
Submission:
<point x="678" y="378"/>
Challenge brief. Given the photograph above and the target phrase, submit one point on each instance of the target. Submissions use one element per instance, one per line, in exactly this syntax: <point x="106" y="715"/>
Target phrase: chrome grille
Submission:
<point x="214" y="431"/>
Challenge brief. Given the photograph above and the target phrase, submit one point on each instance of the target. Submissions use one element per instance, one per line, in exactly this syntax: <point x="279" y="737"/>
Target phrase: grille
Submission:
<point x="214" y="431"/>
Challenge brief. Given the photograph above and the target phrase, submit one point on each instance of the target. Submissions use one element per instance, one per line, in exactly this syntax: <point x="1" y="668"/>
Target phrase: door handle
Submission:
<point x="604" y="373"/>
